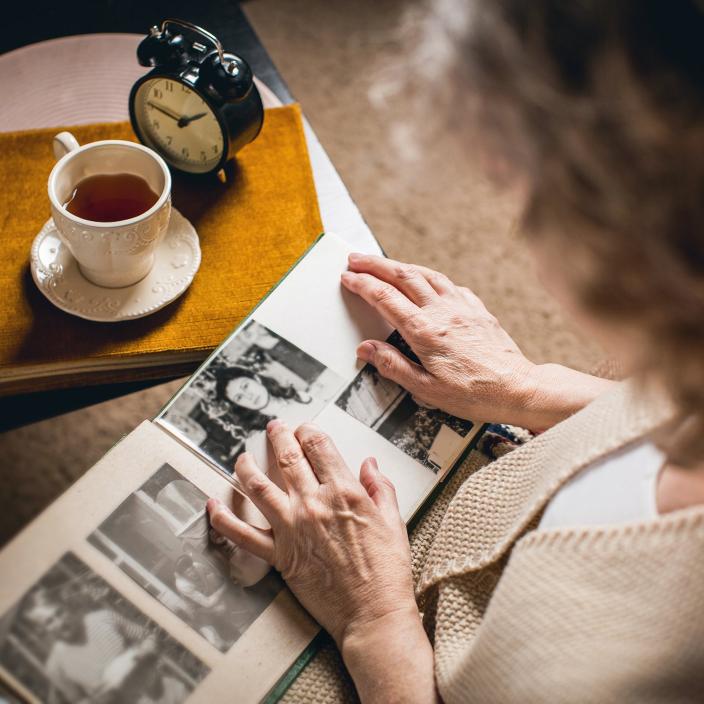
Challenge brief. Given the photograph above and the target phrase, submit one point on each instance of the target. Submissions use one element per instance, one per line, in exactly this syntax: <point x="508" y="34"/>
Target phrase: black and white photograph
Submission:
<point x="428" y="435"/>
<point x="257" y="377"/>
<point x="73" y="638"/>
<point x="160" y="537"/>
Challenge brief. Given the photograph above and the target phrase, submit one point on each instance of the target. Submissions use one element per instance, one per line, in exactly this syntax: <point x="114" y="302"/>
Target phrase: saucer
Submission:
<point x="58" y="277"/>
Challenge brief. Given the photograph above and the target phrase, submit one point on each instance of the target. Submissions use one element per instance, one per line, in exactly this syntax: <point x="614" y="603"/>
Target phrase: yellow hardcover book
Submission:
<point x="252" y="229"/>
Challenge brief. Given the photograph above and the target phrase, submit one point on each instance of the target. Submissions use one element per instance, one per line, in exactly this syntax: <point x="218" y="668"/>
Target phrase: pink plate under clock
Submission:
<point x="74" y="80"/>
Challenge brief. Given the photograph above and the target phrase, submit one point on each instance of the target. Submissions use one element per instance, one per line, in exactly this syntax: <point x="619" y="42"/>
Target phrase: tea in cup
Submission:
<point x="111" y="202"/>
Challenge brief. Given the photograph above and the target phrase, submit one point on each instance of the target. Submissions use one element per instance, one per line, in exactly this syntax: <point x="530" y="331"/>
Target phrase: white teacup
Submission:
<point x="111" y="254"/>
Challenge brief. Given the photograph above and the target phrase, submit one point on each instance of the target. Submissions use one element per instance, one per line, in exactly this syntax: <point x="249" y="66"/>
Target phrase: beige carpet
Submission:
<point x="343" y="62"/>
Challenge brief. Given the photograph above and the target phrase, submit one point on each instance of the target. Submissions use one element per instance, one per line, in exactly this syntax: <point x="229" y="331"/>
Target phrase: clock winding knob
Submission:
<point x="160" y="48"/>
<point x="230" y="77"/>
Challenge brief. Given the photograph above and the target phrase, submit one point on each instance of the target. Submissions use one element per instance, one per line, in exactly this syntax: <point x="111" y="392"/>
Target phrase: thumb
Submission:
<point x="394" y="365"/>
<point x="379" y="488"/>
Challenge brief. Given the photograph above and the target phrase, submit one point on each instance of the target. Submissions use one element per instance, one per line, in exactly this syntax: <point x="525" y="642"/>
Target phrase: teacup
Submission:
<point x="110" y="254"/>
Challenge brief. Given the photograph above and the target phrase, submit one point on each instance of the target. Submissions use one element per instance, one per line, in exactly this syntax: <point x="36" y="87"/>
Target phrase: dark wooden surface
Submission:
<point x="33" y="22"/>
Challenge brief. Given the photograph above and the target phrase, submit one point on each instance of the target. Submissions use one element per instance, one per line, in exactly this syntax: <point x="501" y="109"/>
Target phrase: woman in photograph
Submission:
<point x="244" y="402"/>
<point x="95" y="651"/>
<point x="255" y="392"/>
<point x="569" y="570"/>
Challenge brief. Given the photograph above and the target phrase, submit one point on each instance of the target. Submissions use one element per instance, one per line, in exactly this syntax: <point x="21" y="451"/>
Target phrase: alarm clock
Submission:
<point x="198" y="106"/>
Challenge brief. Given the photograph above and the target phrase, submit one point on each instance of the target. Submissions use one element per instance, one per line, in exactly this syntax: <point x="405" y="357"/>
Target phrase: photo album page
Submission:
<point x="294" y="359"/>
<point x="120" y="592"/>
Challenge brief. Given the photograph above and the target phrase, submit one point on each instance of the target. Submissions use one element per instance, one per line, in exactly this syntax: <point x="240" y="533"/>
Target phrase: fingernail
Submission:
<point x="272" y="425"/>
<point x="355" y="257"/>
<point x="372" y="461"/>
<point x="347" y="277"/>
<point x="366" y="351"/>
<point x="212" y="504"/>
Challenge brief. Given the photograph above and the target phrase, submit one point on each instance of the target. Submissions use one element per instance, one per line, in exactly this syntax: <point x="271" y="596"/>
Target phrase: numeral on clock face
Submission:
<point x="176" y="121"/>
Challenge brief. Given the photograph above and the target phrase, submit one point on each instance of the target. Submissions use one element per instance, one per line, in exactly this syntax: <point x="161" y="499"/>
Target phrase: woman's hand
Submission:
<point x="469" y="365"/>
<point x="339" y="542"/>
<point x="342" y="548"/>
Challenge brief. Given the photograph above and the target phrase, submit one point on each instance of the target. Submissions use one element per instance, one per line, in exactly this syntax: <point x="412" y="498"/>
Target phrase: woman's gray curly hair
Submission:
<point x="599" y="106"/>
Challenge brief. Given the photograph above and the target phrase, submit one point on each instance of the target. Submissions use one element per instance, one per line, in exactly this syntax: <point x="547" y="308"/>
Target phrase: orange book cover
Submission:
<point x="252" y="229"/>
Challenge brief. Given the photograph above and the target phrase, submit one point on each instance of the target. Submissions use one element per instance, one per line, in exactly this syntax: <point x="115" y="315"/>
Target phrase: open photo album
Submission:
<point x="120" y="592"/>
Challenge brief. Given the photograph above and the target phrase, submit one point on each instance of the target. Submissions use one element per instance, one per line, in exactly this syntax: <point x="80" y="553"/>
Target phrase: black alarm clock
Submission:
<point x="199" y="105"/>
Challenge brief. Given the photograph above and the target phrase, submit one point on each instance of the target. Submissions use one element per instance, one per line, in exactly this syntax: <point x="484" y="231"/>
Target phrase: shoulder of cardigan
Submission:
<point x="523" y="481"/>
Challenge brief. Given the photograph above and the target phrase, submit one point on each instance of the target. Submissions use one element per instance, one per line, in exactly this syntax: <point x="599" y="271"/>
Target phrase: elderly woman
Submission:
<point x="572" y="569"/>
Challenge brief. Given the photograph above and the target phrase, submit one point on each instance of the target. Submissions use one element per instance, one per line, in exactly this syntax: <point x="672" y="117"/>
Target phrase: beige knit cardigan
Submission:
<point x="594" y="614"/>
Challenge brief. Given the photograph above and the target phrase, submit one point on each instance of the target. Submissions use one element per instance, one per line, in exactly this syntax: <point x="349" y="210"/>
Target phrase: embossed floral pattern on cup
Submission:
<point x="55" y="272"/>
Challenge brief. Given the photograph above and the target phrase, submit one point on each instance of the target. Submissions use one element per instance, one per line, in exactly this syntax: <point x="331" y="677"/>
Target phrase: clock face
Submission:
<point x="175" y="121"/>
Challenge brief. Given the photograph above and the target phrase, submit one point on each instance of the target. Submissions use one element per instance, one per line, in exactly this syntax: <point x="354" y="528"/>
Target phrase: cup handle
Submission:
<point x="63" y="143"/>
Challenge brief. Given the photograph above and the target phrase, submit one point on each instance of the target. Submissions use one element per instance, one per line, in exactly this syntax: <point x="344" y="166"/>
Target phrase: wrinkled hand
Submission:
<point x="339" y="542"/>
<point x="471" y="368"/>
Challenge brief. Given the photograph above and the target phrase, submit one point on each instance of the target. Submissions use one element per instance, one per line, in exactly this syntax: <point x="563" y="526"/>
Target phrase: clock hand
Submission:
<point x="185" y="120"/>
<point x="161" y="108"/>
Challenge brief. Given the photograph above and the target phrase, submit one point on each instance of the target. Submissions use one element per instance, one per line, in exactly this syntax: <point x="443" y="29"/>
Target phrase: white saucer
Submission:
<point x="58" y="277"/>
